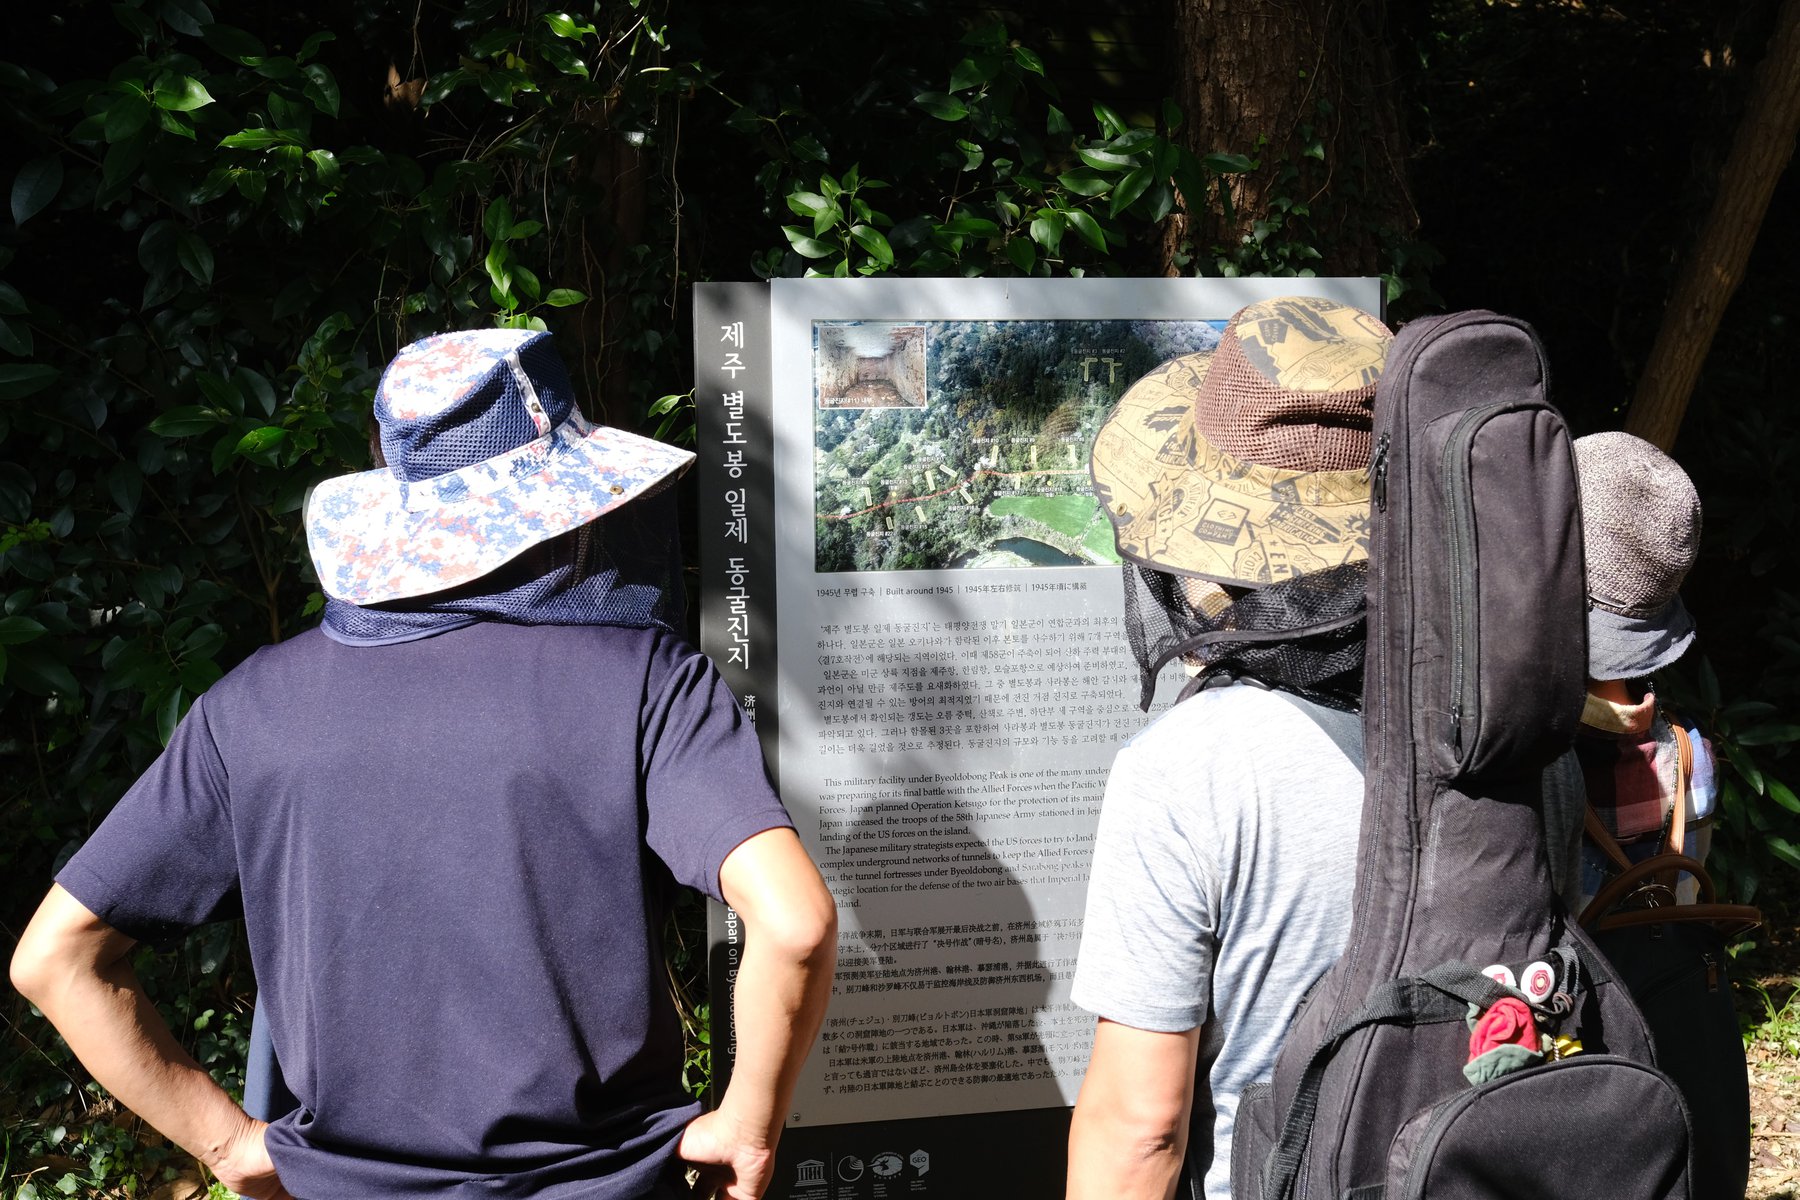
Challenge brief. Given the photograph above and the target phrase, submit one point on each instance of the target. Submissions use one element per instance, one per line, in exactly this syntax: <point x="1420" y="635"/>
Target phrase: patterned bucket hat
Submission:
<point x="1249" y="463"/>
<point x="487" y="457"/>
<point x="1640" y="527"/>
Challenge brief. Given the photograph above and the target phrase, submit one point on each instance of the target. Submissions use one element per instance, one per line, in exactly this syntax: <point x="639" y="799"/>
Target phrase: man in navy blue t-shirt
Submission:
<point x="452" y="819"/>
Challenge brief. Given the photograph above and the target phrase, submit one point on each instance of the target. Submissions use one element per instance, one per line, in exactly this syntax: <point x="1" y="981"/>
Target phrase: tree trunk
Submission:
<point x="1759" y="154"/>
<point x="1284" y="81"/>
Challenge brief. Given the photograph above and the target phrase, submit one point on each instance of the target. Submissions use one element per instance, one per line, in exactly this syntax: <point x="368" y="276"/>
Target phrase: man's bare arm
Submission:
<point x="1131" y="1120"/>
<point x="783" y="983"/>
<point x="73" y="966"/>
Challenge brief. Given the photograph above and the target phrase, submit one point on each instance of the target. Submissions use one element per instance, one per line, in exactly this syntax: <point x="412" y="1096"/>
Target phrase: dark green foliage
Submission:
<point x="219" y="234"/>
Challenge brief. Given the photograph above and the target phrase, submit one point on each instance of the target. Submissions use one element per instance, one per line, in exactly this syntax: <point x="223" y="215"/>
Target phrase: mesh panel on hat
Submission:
<point x="1640" y="523"/>
<point x="1280" y="413"/>
<point x="489" y="420"/>
<point x="1303" y="635"/>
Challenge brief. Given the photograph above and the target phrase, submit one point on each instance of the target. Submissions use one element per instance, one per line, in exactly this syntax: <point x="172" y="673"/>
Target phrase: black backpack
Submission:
<point x="1474" y="678"/>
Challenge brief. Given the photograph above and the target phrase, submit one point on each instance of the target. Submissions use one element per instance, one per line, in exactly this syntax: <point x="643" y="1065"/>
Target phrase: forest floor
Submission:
<point x="1769" y="975"/>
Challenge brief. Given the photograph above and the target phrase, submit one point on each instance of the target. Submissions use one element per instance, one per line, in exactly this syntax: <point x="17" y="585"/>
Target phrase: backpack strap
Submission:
<point x="1664" y="868"/>
<point x="1440" y="995"/>
<point x="1674" y="839"/>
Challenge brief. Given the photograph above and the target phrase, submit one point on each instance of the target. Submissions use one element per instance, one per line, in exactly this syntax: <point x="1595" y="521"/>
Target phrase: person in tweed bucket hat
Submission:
<point x="1640" y="525"/>
<point x="452" y="819"/>
<point x="1237" y="481"/>
<point x="1640" y="522"/>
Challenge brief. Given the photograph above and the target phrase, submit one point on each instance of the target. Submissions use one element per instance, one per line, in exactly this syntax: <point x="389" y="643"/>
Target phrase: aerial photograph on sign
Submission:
<point x="942" y="444"/>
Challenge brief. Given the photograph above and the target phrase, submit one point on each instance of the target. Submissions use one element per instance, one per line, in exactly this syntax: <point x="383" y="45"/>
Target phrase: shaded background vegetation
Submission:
<point x="223" y="221"/>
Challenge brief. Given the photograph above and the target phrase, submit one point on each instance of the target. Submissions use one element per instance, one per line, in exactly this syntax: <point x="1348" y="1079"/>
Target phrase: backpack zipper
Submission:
<point x="1459" y="491"/>
<point x="1379" y="471"/>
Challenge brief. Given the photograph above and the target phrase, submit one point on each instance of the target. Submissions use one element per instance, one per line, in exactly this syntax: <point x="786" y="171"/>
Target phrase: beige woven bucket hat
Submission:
<point x="1249" y="463"/>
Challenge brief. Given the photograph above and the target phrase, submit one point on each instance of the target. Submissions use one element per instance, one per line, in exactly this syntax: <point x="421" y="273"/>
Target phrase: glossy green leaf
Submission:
<point x="967" y="226"/>
<point x="185" y="421"/>
<point x="497" y="221"/>
<point x="136" y="22"/>
<point x="1047" y="230"/>
<point x="233" y="43"/>
<point x="499" y="267"/>
<point x="1028" y="59"/>
<point x="311" y="45"/>
<point x="1228" y="164"/>
<point x="35" y="186"/>
<point x="972" y="154"/>
<point x="1085" y="182"/>
<point x="195" y="257"/>
<point x="321" y="88"/>
<point x="942" y="106"/>
<point x="1769" y="734"/>
<point x="11" y="302"/>
<point x="1162" y="200"/>
<point x="1105" y="160"/>
<point x="564" y="59"/>
<point x="1022" y="253"/>
<point x="1784" y="850"/>
<point x="121" y="163"/>
<point x="219" y="393"/>
<point x="809" y="204"/>
<point x="805" y="245"/>
<point x="1745" y="765"/>
<point x="181" y="93"/>
<point x="36" y="671"/>
<point x="565" y="26"/>
<point x="126" y="115"/>
<point x="176" y="123"/>
<point x="325" y="166"/>
<point x="262" y="440"/>
<point x="1782" y="794"/>
<point x="16" y="630"/>
<point x="168" y="716"/>
<point x="1134" y="142"/>
<point x="1088" y="228"/>
<point x="971" y="72"/>
<point x="16" y="338"/>
<point x="871" y="240"/>
<point x="1129" y="189"/>
<point x="260" y="139"/>
<point x="18" y="380"/>
<point x="564" y="297"/>
<point x="185" y="16"/>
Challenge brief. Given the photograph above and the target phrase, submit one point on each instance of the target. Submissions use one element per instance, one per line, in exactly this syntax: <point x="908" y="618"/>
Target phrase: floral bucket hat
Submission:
<point x="487" y="456"/>
<point x="1249" y="464"/>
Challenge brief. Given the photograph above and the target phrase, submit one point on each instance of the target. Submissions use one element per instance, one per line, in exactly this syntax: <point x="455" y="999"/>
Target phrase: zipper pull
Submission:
<point x="1379" y="471"/>
<point x="1456" y="727"/>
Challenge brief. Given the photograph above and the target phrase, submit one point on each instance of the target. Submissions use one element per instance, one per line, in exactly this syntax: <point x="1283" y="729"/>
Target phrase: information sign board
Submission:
<point x="906" y="580"/>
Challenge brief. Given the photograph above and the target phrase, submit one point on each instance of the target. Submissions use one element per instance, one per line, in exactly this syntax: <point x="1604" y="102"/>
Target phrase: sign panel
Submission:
<point x="906" y="580"/>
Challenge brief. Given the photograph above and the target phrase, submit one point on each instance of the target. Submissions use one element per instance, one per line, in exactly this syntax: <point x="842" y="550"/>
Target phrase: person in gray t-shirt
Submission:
<point x="1237" y="482"/>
